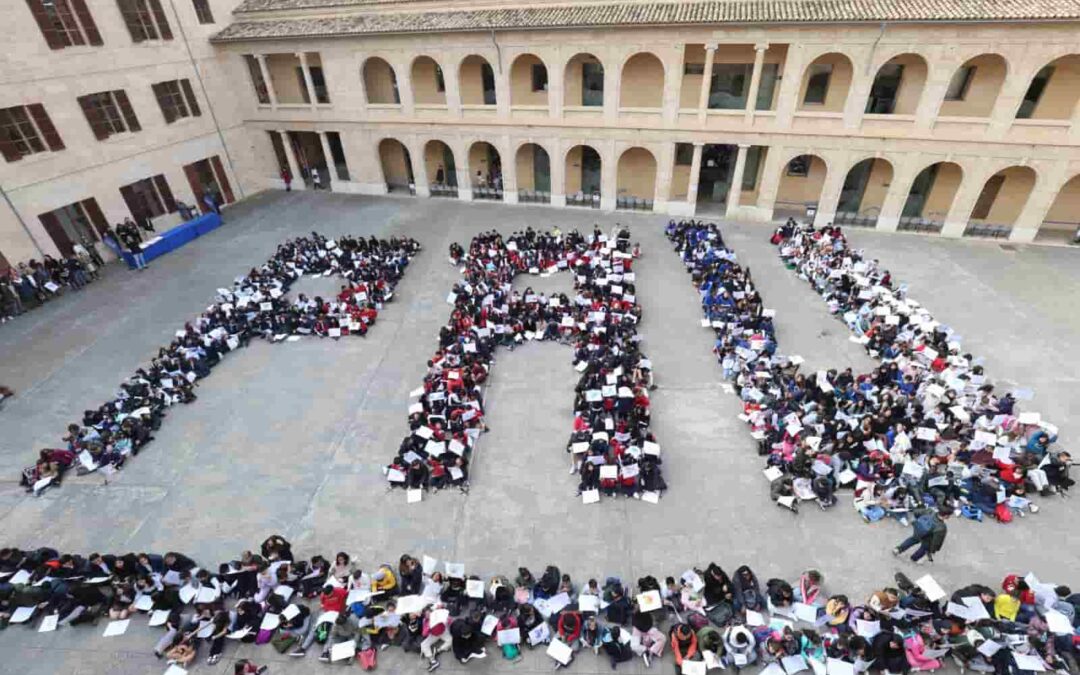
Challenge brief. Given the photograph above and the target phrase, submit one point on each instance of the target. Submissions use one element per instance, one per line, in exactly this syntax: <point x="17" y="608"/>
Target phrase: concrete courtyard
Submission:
<point x="290" y="438"/>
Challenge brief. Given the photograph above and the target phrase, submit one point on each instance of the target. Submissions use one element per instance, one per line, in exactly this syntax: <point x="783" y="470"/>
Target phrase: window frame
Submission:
<point x="965" y="84"/>
<point x="203" y="12"/>
<point x="823" y="69"/>
<point x="22" y="126"/>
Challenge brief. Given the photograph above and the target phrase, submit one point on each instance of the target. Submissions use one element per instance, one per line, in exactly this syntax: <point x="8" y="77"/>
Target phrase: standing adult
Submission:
<point x="286" y="177"/>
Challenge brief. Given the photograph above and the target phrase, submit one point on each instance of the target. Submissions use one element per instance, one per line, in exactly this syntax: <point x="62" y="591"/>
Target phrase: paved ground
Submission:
<point x="289" y="438"/>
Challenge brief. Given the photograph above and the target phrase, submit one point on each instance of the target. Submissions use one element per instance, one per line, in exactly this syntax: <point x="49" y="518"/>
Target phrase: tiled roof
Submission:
<point x="629" y="14"/>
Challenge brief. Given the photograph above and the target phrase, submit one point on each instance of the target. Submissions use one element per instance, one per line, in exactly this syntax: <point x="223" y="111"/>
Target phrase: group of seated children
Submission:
<point x="705" y="619"/>
<point x="611" y="444"/>
<point x="924" y="428"/>
<point x="256" y="306"/>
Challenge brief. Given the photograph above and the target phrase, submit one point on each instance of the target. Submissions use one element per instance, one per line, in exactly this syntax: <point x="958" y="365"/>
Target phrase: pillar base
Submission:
<point x="510" y="197"/>
<point x="887" y="223"/>
<point x="953" y="230"/>
<point x="822" y="218"/>
<point x="684" y="209"/>
<point x="423" y="191"/>
<point x="607" y="203"/>
<point x="1022" y="236"/>
<point x="558" y="200"/>
<point x="464" y="194"/>
<point x="660" y="206"/>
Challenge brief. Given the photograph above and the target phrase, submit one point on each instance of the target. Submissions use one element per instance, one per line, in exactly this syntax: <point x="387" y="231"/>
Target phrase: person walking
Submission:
<point x="286" y="177"/>
<point x="928" y="531"/>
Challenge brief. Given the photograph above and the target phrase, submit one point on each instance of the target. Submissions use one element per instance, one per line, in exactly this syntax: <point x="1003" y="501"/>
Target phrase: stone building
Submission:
<point x="946" y="117"/>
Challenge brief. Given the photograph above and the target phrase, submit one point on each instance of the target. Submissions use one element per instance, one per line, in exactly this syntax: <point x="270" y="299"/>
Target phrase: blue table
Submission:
<point x="170" y="240"/>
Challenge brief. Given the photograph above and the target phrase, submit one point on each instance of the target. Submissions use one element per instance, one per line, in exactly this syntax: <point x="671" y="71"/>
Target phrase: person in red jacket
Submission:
<point x="333" y="599"/>
<point x="683" y="643"/>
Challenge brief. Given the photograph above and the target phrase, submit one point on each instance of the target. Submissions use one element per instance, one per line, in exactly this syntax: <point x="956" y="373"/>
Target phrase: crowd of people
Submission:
<point x="923" y="429"/>
<point x="33" y="283"/>
<point x="611" y="446"/>
<point x="256" y="306"/>
<point x="347" y="612"/>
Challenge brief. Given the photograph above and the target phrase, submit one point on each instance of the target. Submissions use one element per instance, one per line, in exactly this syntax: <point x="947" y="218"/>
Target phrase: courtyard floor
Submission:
<point x="290" y="438"/>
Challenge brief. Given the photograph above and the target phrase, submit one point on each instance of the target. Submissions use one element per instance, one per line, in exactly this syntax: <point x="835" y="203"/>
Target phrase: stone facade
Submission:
<point x="952" y="128"/>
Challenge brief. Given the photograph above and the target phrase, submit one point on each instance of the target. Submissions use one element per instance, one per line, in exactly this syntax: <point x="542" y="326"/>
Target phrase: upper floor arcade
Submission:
<point x="1008" y="82"/>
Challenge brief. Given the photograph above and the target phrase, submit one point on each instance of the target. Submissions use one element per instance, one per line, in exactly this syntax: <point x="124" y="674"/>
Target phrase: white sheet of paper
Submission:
<point x="343" y="650"/>
<point x="510" y="636"/>
<point x="208" y="594"/>
<point x="414" y="496"/>
<point x="48" y="624"/>
<point x="609" y="472"/>
<point x="175" y="670"/>
<point x="694" y="667"/>
<point x="1059" y="623"/>
<point x="187" y="594"/>
<point x="144" y="603"/>
<point x="239" y="634"/>
<point x="1029" y="662"/>
<point x="474" y="588"/>
<point x="159" y="617"/>
<point x="590" y="497"/>
<point x="116" y="628"/>
<point x="649" y="601"/>
<point x="794" y="664"/>
<point x="838" y="667"/>
<point x="754" y="618"/>
<point x="560" y="651"/>
<point x="270" y="622"/>
<point x="651" y="497"/>
<point x="206" y="629"/>
<point x="490" y="623"/>
<point x="455" y="570"/>
<point x="933" y="590"/>
<point x="805" y="612"/>
<point x="588" y="603"/>
<point x="989" y="648"/>
<point x="867" y="629"/>
<point x="289" y="612"/>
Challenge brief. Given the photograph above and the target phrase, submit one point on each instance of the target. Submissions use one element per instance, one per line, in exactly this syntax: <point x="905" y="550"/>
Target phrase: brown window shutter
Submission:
<point x="126" y="110"/>
<point x="93" y="116"/>
<point x="162" y="186"/>
<point x="130" y="14"/>
<point x="59" y="237"/>
<point x="196" y="186"/>
<point x="189" y="94"/>
<point x="160" y="20"/>
<point x="87" y="21"/>
<point x="222" y="179"/>
<point x="93" y="211"/>
<point x="167" y="110"/>
<point x="52" y="37"/>
<point x="41" y="119"/>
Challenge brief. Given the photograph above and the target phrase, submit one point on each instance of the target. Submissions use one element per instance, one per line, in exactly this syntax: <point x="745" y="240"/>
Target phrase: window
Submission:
<point x="487" y="82"/>
<point x="261" y="92"/>
<point x="799" y="167"/>
<point x="145" y="20"/>
<point x="727" y="91"/>
<point x="751" y="167"/>
<point x="440" y="83"/>
<point x="592" y="84"/>
<point x="817" y="83"/>
<point x="202" y="11"/>
<point x="882" y="99"/>
<point x="539" y="77"/>
<point x="958" y="85"/>
<point x="148" y="198"/>
<point x="1034" y="93"/>
<point x="109" y="112"/>
<point x="694" y="69"/>
<point x="684" y="154"/>
<point x="207" y="178"/>
<point x="65" y="23"/>
<point x="319" y="82"/>
<point x="27" y="130"/>
<point x="176" y="99"/>
<point x="986" y="198"/>
<point x="77" y="223"/>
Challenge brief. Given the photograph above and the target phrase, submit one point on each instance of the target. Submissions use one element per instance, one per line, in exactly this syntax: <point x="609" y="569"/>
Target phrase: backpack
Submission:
<point x="367" y="658"/>
<point x="511" y="652"/>
<point x="549" y="582"/>
<point x="1003" y="513"/>
<point x="322" y="632"/>
<point x="283" y="641"/>
<point x="697" y="621"/>
<point x="720" y="614"/>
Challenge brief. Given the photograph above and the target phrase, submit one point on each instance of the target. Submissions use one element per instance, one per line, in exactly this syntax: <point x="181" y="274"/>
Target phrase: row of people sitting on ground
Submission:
<point x="925" y="428"/>
<point x="703" y="618"/>
<point x="256" y="306"/>
<point x="611" y="443"/>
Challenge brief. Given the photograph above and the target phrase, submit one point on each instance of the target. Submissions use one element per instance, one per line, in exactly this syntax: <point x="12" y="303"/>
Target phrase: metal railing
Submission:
<point x="443" y="190"/>
<point x="534" y="197"/>
<point x="488" y="193"/>
<point x="591" y="200"/>
<point x="987" y="231"/>
<point x="910" y="224"/>
<point x="633" y="204"/>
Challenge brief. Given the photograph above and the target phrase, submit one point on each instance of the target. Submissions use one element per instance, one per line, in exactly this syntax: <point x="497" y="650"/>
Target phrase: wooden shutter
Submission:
<point x="222" y="179"/>
<point x="196" y="186"/>
<point x="189" y="95"/>
<point x="160" y="20"/>
<point x="45" y="125"/>
<point x="52" y="36"/>
<point x="162" y="95"/>
<point x="131" y="20"/>
<point x="87" y="21"/>
<point x="56" y="231"/>
<point x="94" y="117"/>
<point x="126" y="110"/>
<point x="93" y="211"/>
<point x="162" y="186"/>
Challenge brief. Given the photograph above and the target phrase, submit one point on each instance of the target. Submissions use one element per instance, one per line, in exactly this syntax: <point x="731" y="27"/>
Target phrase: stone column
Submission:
<point x="290" y="157"/>
<point x="787" y="100"/>
<point x="609" y="185"/>
<point x="664" y="170"/>
<point x="770" y="181"/>
<point x="509" y="171"/>
<point x="405" y="89"/>
<point x="453" y="91"/>
<point x="755" y="80"/>
<point x="265" y="72"/>
<point x="673" y="86"/>
<point x="308" y="84"/>
<point x="331" y="167"/>
<point x="1042" y="197"/>
<point x="706" y="84"/>
<point x="904" y="171"/>
<point x="557" y="163"/>
<point x="695" y="172"/>
<point x="419" y="167"/>
<point x="963" y="202"/>
<point x="612" y="76"/>
<point x="735" y="191"/>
